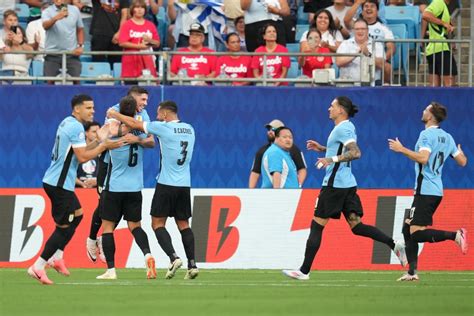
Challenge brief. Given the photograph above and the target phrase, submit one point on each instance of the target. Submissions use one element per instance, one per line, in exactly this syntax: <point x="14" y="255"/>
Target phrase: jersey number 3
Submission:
<point x="184" y="146"/>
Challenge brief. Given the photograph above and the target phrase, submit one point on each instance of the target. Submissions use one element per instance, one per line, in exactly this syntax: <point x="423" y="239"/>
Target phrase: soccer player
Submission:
<point x="122" y="196"/>
<point x="277" y="164"/>
<point x="172" y="196"/>
<point x="69" y="150"/>
<point x="339" y="189"/>
<point x="433" y="147"/>
<point x="94" y="243"/>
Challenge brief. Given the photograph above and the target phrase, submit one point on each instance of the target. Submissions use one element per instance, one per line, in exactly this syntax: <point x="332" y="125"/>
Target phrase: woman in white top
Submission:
<point x="16" y="64"/>
<point x="330" y="35"/>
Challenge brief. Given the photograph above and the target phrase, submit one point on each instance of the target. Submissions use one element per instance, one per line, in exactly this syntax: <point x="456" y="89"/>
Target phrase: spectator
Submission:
<point x="289" y="21"/>
<point x="441" y="62"/>
<point x="10" y="18"/>
<point x="377" y="30"/>
<point x="313" y="6"/>
<point x="107" y="17"/>
<point x="338" y="11"/>
<point x="36" y="34"/>
<point x="195" y="66"/>
<point x="331" y="37"/>
<point x="350" y="66"/>
<point x="280" y="170"/>
<point x="234" y="66"/>
<point x="295" y="152"/>
<point x="355" y="12"/>
<point x="152" y="9"/>
<point x="87" y="171"/>
<point x="64" y="31"/>
<point x="6" y="5"/>
<point x="232" y="12"/>
<point x="16" y="64"/>
<point x="260" y="13"/>
<point x="309" y="63"/>
<point x="85" y="6"/>
<point x="276" y="66"/>
<point x="138" y="34"/>
<point x="240" y="30"/>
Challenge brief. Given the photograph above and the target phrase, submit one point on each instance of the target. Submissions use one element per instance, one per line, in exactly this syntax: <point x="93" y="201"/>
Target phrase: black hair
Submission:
<point x="137" y="90"/>
<point x="313" y="29"/>
<point x="88" y="125"/>
<point x="346" y="103"/>
<point x="128" y="106"/>
<point x="263" y="30"/>
<point x="237" y="19"/>
<point x="439" y="111"/>
<point x="332" y="25"/>
<point x="376" y="2"/>
<point x="231" y="34"/>
<point x="79" y="99"/>
<point x="279" y="129"/>
<point x="169" y="105"/>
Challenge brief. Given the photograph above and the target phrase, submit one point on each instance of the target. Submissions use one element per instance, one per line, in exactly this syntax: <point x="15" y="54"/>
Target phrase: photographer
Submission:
<point x="10" y="18"/>
<point x="64" y="32"/>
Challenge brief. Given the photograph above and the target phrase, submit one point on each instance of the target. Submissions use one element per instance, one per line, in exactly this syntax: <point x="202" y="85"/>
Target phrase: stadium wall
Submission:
<point x="262" y="229"/>
<point x="229" y="126"/>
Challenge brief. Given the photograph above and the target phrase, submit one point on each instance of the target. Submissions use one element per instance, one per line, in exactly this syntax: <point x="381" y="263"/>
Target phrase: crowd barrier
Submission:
<point x="243" y="229"/>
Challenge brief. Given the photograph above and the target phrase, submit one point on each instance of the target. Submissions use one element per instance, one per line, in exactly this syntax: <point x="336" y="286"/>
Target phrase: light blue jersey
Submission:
<point x="339" y="174"/>
<point x="125" y="169"/>
<point x="441" y="145"/>
<point x="63" y="168"/>
<point x="176" y="146"/>
<point x="139" y="116"/>
<point x="275" y="159"/>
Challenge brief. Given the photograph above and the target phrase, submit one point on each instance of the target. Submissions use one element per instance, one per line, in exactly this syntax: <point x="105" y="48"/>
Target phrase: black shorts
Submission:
<point x="63" y="204"/>
<point x="332" y="201"/>
<point x="423" y="209"/>
<point x="118" y="204"/>
<point x="444" y="64"/>
<point x="170" y="201"/>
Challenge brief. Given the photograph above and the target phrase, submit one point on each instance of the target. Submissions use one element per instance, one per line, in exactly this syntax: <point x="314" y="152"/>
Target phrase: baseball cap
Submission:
<point x="196" y="27"/>
<point x="275" y="124"/>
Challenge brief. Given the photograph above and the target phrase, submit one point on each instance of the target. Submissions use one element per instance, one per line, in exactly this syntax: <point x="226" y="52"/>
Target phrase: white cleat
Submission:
<point x="191" y="274"/>
<point x="461" y="240"/>
<point x="108" y="275"/>
<point x="174" y="266"/>
<point x="408" y="277"/>
<point x="296" y="274"/>
<point x="100" y="250"/>
<point x="400" y="252"/>
<point x="91" y="247"/>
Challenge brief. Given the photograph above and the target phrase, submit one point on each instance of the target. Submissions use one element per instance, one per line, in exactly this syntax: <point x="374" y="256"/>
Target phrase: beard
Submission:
<point x="270" y="139"/>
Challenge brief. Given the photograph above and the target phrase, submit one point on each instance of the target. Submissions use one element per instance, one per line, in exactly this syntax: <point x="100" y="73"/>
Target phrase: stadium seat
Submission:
<point x="23" y="11"/>
<point x="300" y="29"/>
<point x="293" y="48"/>
<point x="95" y="69"/>
<point x="294" y="71"/>
<point x="408" y="15"/>
<point x="302" y="17"/>
<point x="37" y="70"/>
<point x="400" y="58"/>
<point x="117" y="71"/>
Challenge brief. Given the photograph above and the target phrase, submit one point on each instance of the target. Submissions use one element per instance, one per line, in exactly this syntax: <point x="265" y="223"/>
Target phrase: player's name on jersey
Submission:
<point x="181" y="130"/>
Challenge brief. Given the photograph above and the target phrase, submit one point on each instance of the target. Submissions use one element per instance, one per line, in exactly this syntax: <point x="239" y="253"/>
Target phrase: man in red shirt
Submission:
<point x="199" y="66"/>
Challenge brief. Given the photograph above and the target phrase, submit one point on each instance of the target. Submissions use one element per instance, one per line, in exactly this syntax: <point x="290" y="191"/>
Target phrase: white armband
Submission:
<point x="335" y="159"/>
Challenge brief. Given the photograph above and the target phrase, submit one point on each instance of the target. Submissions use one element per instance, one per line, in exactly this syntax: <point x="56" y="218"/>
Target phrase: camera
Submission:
<point x="14" y="28"/>
<point x="63" y="7"/>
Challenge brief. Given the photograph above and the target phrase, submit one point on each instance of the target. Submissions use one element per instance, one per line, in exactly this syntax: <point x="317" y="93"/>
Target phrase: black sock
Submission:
<point x="187" y="237"/>
<point x="71" y="230"/>
<point x="95" y="224"/>
<point x="411" y="249"/>
<point x="141" y="239"/>
<point x="374" y="233"/>
<point x="433" y="235"/>
<point x="108" y="243"/>
<point x="55" y="241"/>
<point x="312" y="246"/>
<point x="164" y="239"/>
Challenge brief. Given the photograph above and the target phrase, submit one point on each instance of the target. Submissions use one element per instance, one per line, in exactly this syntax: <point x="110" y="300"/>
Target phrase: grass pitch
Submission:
<point x="237" y="292"/>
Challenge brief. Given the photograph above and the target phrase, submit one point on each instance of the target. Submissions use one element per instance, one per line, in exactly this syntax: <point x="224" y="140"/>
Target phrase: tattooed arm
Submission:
<point x="352" y="153"/>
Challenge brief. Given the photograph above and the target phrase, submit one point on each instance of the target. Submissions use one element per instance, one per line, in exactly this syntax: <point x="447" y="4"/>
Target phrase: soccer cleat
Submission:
<point x="150" y="268"/>
<point x="296" y="274"/>
<point x="175" y="265"/>
<point x="400" y="252"/>
<point x="100" y="250"/>
<point x="461" y="240"/>
<point x="108" y="275"/>
<point x="59" y="265"/>
<point x="409" y="277"/>
<point x="191" y="274"/>
<point x="39" y="275"/>
<point x="92" y="249"/>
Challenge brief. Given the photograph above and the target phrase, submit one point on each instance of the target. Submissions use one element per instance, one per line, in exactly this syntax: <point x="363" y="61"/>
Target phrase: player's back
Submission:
<point x="126" y="169"/>
<point x="63" y="168"/>
<point x="176" y="149"/>
<point x="441" y="145"/>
